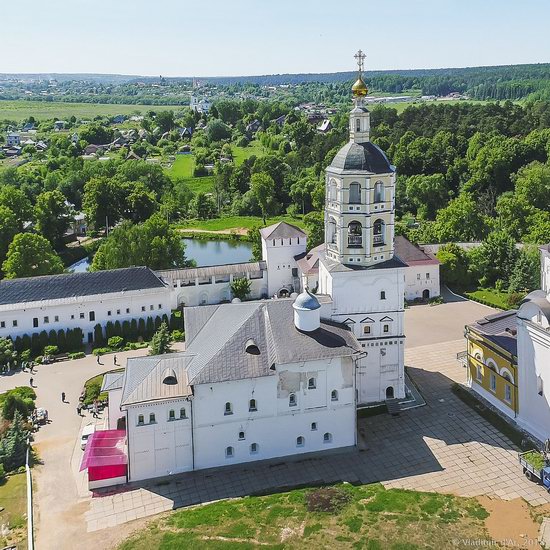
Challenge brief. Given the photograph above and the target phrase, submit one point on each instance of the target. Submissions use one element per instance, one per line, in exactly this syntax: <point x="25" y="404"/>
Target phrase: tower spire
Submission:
<point x="359" y="89"/>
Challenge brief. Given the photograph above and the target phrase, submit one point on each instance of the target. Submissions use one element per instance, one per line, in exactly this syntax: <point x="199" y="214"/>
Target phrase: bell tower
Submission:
<point x="360" y="192"/>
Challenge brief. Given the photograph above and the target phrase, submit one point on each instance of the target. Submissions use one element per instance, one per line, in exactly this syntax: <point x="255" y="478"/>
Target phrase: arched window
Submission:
<point x="229" y="452"/>
<point x="172" y="415"/>
<point x="332" y="231"/>
<point x="332" y="190"/>
<point x="354" y="193"/>
<point x="292" y="402"/>
<point x="183" y="413"/>
<point x="357" y="124"/>
<point x="334" y="395"/>
<point x="252" y="407"/>
<point x="228" y="409"/>
<point x="300" y="441"/>
<point x="378" y="232"/>
<point x="355" y="234"/>
<point x="327" y="437"/>
<point x="241" y="435"/>
<point x="141" y="420"/>
<point x="378" y="192"/>
<point x="254" y="447"/>
<point x="314" y="426"/>
<point x="152" y="418"/>
<point x="311" y="384"/>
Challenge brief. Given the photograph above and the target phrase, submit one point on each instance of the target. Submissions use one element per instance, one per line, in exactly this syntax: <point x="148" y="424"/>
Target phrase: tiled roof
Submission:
<point x="499" y="328"/>
<point x="281" y="230"/>
<point x="410" y="253"/>
<point x="362" y="157"/>
<point x="74" y="285"/>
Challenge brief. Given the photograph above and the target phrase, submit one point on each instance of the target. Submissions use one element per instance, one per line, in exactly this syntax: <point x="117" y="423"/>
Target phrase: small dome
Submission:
<point x="169" y="377"/>
<point x="306" y="301"/>
<point x="359" y="88"/>
<point x="251" y="347"/>
<point x="362" y="157"/>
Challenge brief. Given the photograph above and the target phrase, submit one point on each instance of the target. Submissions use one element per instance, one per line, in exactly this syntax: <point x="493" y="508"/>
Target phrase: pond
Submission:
<point x="204" y="252"/>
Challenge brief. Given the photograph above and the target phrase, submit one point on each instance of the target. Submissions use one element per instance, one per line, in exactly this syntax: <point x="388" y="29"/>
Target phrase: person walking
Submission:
<point x="31" y="382"/>
<point x="114" y="359"/>
<point x="63" y="397"/>
<point x="97" y="356"/>
<point x="94" y="409"/>
<point x="79" y="409"/>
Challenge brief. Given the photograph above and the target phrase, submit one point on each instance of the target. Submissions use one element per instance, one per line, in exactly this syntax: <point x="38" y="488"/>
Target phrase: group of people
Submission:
<point x="95" y="408"/>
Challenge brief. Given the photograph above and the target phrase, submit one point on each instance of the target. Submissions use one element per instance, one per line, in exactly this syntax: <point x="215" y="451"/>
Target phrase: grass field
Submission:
<point x="344" y="516"/>
<point x="185" y="164"/>
<point x="236" y="222"/>
<point x="490" y="296"/>
<point x="13" y="498"/>
<point x="21" y="109"/>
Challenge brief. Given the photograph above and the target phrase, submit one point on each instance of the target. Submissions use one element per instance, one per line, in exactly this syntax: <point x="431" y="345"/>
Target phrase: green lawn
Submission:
<point x="343" y="516"/>
<point x="21" y="109"/>
<point x="240" y="154"/>
<point x="13" y="498"/>
<point x="490" y="297"/>
<point x="236" y="222"/>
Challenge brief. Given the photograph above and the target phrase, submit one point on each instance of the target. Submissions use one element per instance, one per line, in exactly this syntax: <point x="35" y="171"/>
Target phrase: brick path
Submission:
<point x="444" y="447"/>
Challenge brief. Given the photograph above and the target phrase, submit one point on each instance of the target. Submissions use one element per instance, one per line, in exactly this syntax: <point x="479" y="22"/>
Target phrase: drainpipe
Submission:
<point x="192" y="435"/>
<point x="128" y="446"/>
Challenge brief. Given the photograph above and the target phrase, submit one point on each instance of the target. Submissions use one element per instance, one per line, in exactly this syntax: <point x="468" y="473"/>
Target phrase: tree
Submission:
<point x="96" y="134"/>
<point x="253" y="235"/>
<point x="216" y="130"/>
<point x="52" y="216"/>
<point x="30" y="255"/>
<point x="262" y="188"/>
<point x="460" y="220"/>
<point x="152" y="243"/>
<point x="525" y="274"/>
<point x="141" y="203"/>
<point x="13" y="446"/>
<point x="8" y="355"/>
<point x="160" y="343"/>
<point x="14" y="403"/>
<point x="165" y="120"/>
<point x="454" y="265"/>
<point x="202" y="207"/>
<point x="428" y="194"/>
<point x="315" y="228"/>
<point x="13" y="198"/>
<point x="8" y="230"/>
<point x="240" y="288"/>
<point x="532" y="184"/>
<point x="103" y="201"/>
<point x="99" y="339"/>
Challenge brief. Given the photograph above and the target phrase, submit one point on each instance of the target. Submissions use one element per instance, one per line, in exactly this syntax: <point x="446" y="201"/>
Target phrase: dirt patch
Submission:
<point x="510" y="523"/>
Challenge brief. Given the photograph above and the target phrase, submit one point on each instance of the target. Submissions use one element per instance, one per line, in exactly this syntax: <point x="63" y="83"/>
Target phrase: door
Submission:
<point x="389" y="392"/>
<point x="426" y="294"/>
<point x="90" y="337"/>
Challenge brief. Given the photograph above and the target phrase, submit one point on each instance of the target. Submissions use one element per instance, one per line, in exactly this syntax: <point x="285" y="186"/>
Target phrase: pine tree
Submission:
<point x="78" y="335"/>
<point x="18" y="344"/>
<point x="149" y="328"/>
<point x="52" y="338"/>
<point x="43" y="336"/>
<point x="117" y="329"/>
<point x="109" y="330"/>
<point x="142" y="329"/>
<point x="134" y="332"/>
<point x="160" y="343"/>
<point x="26" y="342"/>
<point x="99" y="339"/>
<point x="126" y="329"/>
<point x="61" y="340"/>
<point x="13" y="446"/>
<point x="158" y="322"/>
<point x="35" y="344"/>
<point x="525" y="275"/>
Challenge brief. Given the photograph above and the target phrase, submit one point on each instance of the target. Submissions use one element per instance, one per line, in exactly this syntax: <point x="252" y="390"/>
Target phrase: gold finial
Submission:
<point x="360" y="89"/>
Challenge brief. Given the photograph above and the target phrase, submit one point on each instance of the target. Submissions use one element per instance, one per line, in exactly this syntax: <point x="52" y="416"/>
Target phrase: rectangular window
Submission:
<point x="172" y="415"/>
<point x="56" y="318"/>
<point x="142" y="308"/>
<point x="82" y="315"/>
<point x="493" y="382"/>
<point x="109" y="313"/>
<point x="479" y="373"/>
<point x="366" y="329"/>
<point x="508" y="393"/>
<point x="2" y="324"/>
<point x="152" y="419"/>
<point x="127" y="310"/>
<point x="151" y="307"/>
<point x="35" y="322"/>
<point x="427" y="275"/>
<point x="91" y="315"/>
<point x="383" y="295"/>
<point x="14" y="322"/>
<point x="46" y="320"/>
<point x="418" y="276"/>
<point x="140" y="420"/>
<point x="160" y="306"/>
<point x="386" y="328"/>
<point x="118" y="311"/>
<point x="72" y="317"/>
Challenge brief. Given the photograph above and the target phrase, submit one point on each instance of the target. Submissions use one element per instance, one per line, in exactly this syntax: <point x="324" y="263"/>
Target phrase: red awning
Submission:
<point x="105" y="448"/>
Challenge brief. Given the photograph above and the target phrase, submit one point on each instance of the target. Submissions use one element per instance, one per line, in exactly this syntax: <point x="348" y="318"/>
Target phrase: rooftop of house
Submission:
<point x="308" y="262"/>
<point x="499" y="328"/>
<point x="412" y="254"/>
<point x="281" y="230"/>
<point x="73" y="285"/>
<point x="234" y="342"/>
<point x="112" y="381"/>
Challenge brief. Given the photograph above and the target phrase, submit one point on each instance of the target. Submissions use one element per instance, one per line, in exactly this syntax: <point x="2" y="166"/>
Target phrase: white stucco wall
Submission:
<point x="113" y="410"/>
<point x="545" y="269"/>
<point x="69" y="311"/>
<point x="419" y="278"/>
<point x="279" y="256"/>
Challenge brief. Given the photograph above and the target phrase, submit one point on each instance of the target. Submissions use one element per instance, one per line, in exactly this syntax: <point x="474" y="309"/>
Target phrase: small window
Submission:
<point x="118" y="311"/>
<point x="418" y="276"/>
<point x="493" y="382"/>
<point x="314" y="426"/>
<point x="172" y="415"/>
<point x="2" y="324"/>
<point x="241" y="436"/>
<point x="142" y="308"/>
<point x="82" y="315"/>
<point x="160" y="306"/>
<point x="14" y="322"/>
<point x="386" y="328"/>
<point x="35" y="322"/>
<point x="254" y="448"/>
<point x="300" y="441"/>
<point x="109" y="313"/>
<point x="366" y="329"/>
<point x="152" y="418"/>
<point x="56" y="319"/>
<point x="72" y="317"/>
<point x="334" y="395"/>
<point x="228" y="409"/>
<point x="183" y="413"/>
<point x="141" y="420"/>
<point x="479" y="373"/>
<point x="508" y="393"/>
<point x="383" y="295"/>
<point x="127" y="310"/>
<point x="151" y="307"/>
<point x="427" y="275"/>
<point x="252" y="407"/>
<point x="327" y="437"/>
<point x="292" y="402"/>
<point x="229" y="452"/>
<point x="46" y="320"/>
<point x="311" y="384"/>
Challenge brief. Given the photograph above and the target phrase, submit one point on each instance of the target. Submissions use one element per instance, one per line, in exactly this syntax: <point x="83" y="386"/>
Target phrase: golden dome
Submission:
<point x="359" y="88"/>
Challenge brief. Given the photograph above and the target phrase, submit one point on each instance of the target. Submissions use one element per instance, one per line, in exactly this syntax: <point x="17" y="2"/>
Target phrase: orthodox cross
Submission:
<point x="360" y="57"/>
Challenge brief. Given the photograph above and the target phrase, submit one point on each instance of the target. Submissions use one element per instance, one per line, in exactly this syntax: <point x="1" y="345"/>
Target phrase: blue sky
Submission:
<point x="246" y="37"/>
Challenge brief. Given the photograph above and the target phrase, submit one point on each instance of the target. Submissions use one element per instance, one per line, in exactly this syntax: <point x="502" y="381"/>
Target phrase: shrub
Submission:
<point x="2" y="473"/>
<point x="101" y="351"/>
<point x="14" y="403"/>
<point x="39" y="359"/>
<point x="51" y="350"/>
<point x="77" y="355"/>
<point x="93" y="389"/>
<point x="177" y="335"/>
<point x="13" y="446"/>
<point x="514" y="298"/>
<point x="26" y="355"/>
<point x="115" y="342"/>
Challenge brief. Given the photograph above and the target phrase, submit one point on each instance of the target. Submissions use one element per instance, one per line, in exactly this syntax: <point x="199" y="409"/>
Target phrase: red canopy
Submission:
<point x="105" y="448"/>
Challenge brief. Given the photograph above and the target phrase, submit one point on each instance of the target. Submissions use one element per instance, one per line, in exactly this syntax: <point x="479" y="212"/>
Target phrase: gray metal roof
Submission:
<point x="209" y="271"/>
<point x="112" y="381"/>
<point x="410" y="253"/>
<point x="334" y="266"/>
<point x="499" y="328"/>
<point x="281" y="230"/>
<point x="74" y="285"/>
<point x="362" y="157"/>
<point x="217" y="351"/>
<point x="307" y="301"/>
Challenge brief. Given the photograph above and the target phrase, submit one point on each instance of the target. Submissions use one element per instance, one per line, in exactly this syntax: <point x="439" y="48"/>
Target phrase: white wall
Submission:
<point x="279" y="256"/>
<point x="545" y="270"/>
<point x="419" y="278"/>
<point x="69" y="311"/>
<point x="534" y="375"/>
<point x="113" y="411"/>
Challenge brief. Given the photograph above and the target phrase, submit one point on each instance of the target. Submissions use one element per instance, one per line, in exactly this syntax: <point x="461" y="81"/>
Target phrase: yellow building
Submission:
<point x="491" y="360"/>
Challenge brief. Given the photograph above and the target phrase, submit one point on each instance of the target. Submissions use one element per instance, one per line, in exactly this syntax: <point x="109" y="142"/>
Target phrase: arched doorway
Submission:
<point x="389" y="392"/>
<point x="426" y="294"/>
<point x="283" y="293"/>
